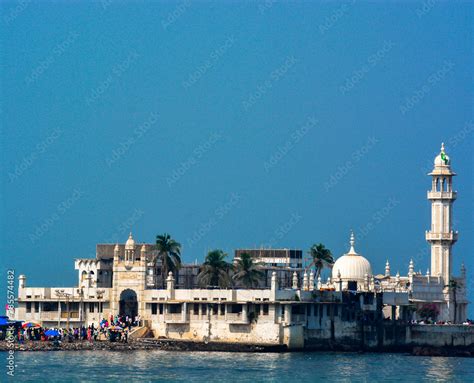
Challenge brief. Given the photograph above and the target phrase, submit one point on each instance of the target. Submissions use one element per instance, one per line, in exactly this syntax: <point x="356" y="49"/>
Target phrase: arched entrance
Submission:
<point x="128" y="303"/>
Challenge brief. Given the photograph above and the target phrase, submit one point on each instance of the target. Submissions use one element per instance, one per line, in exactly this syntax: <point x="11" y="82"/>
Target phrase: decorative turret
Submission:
<point x="170" y="285"/>
<point x="143" y="255"/>
<point x="305" y="281"/>
<point x="21" y="282"/>
<point x="116" y="252"/>
<point x="311" y="280"/>
<point x="170" y="281"/>
<point x="295" y="281"/>
<point x="411" y="268"/>
<point x="130" y="249"/>
<point x="274" y="285"/>
<point x="428" y="275"/>
<point x="387" y="269"/>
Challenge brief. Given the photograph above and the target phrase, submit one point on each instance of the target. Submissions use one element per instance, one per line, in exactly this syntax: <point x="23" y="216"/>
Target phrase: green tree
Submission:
<point x="247" y="272"/>
<point x="215" y="270"/>
<point x="169" y="253"/>
<point x="321" y="258"/>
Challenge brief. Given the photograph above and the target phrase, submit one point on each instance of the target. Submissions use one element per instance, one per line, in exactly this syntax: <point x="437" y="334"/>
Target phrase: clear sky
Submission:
<point x="228" y="126"/>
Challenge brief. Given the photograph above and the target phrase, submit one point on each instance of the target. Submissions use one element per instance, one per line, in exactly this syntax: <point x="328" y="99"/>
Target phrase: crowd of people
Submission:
<point x="114" y="328"/>
<point x="467" y="322"/>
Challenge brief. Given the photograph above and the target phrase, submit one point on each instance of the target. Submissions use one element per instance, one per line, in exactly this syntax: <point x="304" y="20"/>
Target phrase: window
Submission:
<point x="28" y="307"/>
<point x="174" y="309"/>
<point x="160" y="306"/>
<point x="37" y="307"/>
<point x="265" y="309"/>
<point x="328" y="310"/>
<point x="50" y="306"/>
<point x="195" y="309"/>
<point x="215" y="309"/>
<point x="154" y="308"/>
<point x="336" y="310"/>
<point x="204" y="309"/>
<point x="321" y="311"/>
<point x="236" y="309"/>
<point x="222" y="309"/>
<point x="91" y="307"/>
<point x="297" y="309"/>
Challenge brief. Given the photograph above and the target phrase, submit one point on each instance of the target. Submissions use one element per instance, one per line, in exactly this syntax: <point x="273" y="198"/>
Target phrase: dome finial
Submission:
<point x="442" y="147"/>
<point x="352" y="243"/>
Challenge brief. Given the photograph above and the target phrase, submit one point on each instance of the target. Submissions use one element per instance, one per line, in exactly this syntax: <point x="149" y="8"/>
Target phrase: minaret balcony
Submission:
<point x="451" y="236"/>
<point x="442" y="195"/>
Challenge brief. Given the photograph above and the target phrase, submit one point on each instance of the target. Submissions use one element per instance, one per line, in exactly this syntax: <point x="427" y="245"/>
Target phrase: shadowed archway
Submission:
<point x="128" y="303"/>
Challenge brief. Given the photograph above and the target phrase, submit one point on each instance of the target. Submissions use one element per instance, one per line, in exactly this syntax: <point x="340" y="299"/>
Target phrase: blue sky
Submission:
<point x="228" y="126"/>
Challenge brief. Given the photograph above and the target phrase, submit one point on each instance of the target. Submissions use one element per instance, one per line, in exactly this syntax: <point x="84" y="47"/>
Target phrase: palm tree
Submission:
<point x="169" y="252"/>
<point x="215" y="270"/>
<point x="246" y="271"/>
<point x="322" y="258"/>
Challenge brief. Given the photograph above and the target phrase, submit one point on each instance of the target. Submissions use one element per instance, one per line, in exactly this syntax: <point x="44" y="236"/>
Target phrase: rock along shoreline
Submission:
<point x="180" y="345"/>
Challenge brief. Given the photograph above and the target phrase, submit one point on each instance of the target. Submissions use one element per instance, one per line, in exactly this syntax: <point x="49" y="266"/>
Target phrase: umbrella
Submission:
<point x="31" y="324"/>
<point x="116" y="328"/>
<point x="51" y="332"/>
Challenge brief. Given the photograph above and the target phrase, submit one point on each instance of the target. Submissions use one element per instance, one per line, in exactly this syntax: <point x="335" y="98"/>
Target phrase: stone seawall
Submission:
<point x="140" y="344"/>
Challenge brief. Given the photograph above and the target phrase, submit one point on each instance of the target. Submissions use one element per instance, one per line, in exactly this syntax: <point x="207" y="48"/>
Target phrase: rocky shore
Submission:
<point x="139" y="344"/>
<point x="178" y="345"/>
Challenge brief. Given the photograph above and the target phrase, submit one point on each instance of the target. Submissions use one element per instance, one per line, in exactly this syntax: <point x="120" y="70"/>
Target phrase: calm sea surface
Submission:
<point x="148" y="366"/>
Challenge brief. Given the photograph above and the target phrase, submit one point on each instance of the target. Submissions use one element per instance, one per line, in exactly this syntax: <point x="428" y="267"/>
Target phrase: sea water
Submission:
<point x="165" y="366"/>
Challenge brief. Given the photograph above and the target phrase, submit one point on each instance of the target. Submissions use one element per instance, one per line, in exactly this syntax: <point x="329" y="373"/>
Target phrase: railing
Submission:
<point x="440" y="195"/>
<point x="451" y="236"/>
<point x="48" y="315"/>
<point x="175" y="318"/>
<point x="236" y="318"/>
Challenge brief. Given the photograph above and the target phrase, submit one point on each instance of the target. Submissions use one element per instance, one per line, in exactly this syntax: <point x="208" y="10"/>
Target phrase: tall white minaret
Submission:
<point x="441" y="236"/>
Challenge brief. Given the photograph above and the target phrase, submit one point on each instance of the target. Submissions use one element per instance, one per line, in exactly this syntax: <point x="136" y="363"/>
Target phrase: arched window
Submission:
<point x="91" y="278"/>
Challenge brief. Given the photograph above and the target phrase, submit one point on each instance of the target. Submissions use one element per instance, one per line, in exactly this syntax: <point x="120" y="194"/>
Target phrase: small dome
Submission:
<point x="130" y="244"/>
<point x="442" y="159"/>
<point x="351" y="266"/>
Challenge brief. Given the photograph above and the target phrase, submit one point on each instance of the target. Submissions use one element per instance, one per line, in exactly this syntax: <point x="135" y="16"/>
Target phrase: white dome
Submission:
<point x="442" y="159"/>
<point x="130" y="244"/>
<point x="351" y="266"/>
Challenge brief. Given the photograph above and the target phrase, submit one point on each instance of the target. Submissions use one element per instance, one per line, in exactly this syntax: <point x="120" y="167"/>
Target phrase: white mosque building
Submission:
<point x="122" y="280"/>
